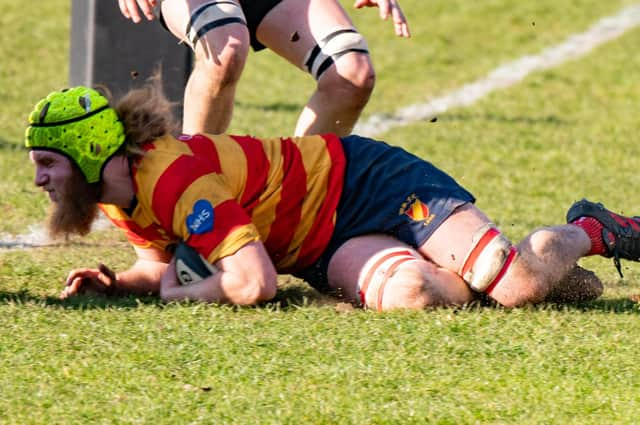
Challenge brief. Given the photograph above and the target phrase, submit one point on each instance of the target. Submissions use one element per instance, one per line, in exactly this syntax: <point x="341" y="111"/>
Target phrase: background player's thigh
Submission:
<point x="178" y="13"/>
<point x="291" y="28"/>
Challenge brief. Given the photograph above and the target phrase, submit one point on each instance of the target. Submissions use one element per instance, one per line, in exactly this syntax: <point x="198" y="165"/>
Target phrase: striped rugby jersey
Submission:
<point x="221" y="192"/>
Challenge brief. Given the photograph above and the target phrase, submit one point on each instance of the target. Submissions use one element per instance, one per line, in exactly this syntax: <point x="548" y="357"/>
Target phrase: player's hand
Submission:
<point x="170" y="288"/>
<point x="387" y="8"/>
<point x="131" y="9"/>
<point x="169" y="278"/>
<point x="90" y="281"/>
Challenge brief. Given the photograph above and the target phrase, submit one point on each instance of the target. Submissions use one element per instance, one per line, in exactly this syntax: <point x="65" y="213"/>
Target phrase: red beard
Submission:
<point x="77" y="208"/>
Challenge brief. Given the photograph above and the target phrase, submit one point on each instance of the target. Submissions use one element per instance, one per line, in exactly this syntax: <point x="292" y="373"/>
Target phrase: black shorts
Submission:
<point x="390" y="191"/>
<point x="254" y="11"/>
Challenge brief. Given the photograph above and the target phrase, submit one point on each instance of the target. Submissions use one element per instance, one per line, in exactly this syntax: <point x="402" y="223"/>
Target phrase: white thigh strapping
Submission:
<point x="378" y="273"/>
<point x="329" y="49"/>
<point x="212" y="15"/>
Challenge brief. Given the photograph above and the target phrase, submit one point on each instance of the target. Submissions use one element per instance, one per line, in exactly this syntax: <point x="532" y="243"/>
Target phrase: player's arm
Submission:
<point x="247" y="277"/>
<point x="131" y="9"/>
<point x="388" y="8"/>
<point x="142" y="278"/>
<point x="145" y="274"/>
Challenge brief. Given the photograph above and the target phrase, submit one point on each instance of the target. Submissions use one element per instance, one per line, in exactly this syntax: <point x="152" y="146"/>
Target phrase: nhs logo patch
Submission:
<point x="201" y="219"/>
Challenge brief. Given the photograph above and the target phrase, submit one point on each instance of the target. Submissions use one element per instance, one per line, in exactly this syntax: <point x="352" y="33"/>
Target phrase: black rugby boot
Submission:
<point x="620" y="234"/>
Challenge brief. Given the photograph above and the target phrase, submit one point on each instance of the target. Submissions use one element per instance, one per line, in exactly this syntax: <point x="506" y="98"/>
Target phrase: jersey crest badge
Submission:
<point x="416" y="210"/>
<point x="201" y="219"/>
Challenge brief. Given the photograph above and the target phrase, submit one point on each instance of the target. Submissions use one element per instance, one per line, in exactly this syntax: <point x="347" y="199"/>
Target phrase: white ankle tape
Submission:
<point x="377" y="273"/>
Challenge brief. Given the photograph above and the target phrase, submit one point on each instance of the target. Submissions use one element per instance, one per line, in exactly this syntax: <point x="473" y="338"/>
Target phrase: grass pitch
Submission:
<point x="527" y="152"/>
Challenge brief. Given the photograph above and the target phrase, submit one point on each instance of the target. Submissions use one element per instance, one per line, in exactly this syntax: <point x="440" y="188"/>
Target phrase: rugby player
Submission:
<point x="316" y="36"/>
<point x="357" y="218"/>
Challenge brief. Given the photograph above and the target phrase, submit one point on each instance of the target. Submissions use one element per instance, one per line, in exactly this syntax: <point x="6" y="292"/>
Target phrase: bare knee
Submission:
<point x="542" y="244"/>
<point x="542" y="263"/>
<point x="524" y="287"/>
<point x="222" y="68"/>
<point x="351" y="80"/>
<point x="410" y="288"/>
<point x="419" y="285"/>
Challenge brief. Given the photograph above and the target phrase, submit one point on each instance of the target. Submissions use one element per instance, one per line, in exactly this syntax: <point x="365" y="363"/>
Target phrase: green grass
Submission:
<point x="527" y="152"/>
<point x="143" y="362"/>
<point x="452" y="43"/>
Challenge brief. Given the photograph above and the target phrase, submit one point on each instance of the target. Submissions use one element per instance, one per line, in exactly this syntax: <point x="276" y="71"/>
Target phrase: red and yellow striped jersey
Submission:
<point x="221" y="192"/>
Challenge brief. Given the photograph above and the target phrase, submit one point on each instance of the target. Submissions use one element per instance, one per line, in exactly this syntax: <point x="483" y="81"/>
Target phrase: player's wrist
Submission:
<point x="112" y="287"/>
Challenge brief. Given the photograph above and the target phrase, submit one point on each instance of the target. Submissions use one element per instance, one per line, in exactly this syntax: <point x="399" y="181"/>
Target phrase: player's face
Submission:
<point x="53" y="171"/>
<point x="74" y="201"/>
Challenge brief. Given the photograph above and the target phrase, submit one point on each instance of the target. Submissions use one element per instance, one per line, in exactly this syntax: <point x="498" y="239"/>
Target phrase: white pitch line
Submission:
<point x="37" y="236"/>
<point x="575" y="46"/>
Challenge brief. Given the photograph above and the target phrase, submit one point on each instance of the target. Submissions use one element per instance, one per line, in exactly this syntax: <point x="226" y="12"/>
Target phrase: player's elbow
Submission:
<point x="261" y="288"/>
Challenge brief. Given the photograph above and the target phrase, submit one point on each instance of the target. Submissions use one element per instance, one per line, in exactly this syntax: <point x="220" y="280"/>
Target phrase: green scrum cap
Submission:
<point x="78" y="123"/>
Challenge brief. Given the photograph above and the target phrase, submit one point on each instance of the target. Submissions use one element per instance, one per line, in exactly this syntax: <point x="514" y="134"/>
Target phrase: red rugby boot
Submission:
<point x="620" y="235"/>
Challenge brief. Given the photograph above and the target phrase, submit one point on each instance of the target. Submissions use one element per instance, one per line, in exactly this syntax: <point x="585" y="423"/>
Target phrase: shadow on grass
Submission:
<point x="611" y="305"/>
<point x="6" y="145"/>
<point x="295" y="298"/>
<point x="545" y="119"/>
<point x="301" y="296"/>
<point x="616" y="305"/>
<point x="81" y="302"/>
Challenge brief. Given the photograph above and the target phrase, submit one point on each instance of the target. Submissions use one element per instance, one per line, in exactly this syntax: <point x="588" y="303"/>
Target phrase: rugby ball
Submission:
<point x="191" y="267"/>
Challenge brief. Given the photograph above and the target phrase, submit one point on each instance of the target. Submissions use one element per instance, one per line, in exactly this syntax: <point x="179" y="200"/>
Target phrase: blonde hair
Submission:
<point x="146" y="114"/>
